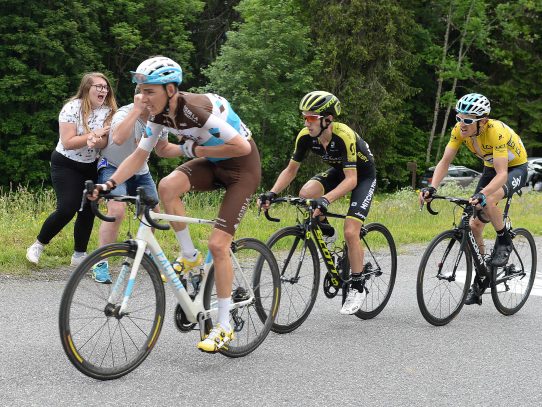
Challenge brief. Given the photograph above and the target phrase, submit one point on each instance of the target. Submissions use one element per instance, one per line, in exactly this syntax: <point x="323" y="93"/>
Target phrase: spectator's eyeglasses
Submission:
<point x="311" y="118"/>
<point x="101" y="88"/>
<point x="467" y="120"/>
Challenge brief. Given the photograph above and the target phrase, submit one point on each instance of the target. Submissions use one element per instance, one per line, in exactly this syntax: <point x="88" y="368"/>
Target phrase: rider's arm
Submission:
<point x="130" y="165"/>
<point x="346" y="185"/>
<point x="237" y="146"/>
<point x="442" y="167"/>
<point x="501" y="168"/>
<point x="286" y="177"/>
<point x="167" y="150"/>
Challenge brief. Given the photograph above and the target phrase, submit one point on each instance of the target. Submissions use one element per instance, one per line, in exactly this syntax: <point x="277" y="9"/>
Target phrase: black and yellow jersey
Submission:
<point x="346" y="149"/>
<point x="496" y="139"/>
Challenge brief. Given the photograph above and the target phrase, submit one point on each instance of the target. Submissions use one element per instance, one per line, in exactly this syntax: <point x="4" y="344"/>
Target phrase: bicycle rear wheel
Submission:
<point x="443" y="279"/>
<point x="512" y="284"/>
<point x="98" y="341"/>
<point x="380" y="264"/>
<point x="253" y="264"/>
<point x="299" y="270"/>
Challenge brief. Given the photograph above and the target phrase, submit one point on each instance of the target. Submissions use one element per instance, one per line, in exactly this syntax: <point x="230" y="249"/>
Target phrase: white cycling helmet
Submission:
<point x="158" y="71"/>
<point x="473" y="103"/>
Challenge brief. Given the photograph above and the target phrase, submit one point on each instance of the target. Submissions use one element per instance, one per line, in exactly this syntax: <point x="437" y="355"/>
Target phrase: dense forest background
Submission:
<point x="398" y="66"/>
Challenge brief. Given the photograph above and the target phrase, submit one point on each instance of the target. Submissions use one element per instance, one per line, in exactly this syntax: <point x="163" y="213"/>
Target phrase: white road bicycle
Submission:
<point x="107" y="330"/>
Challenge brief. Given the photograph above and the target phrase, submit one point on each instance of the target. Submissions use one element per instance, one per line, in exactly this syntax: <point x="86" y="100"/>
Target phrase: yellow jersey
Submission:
<point x="496" y="139"/>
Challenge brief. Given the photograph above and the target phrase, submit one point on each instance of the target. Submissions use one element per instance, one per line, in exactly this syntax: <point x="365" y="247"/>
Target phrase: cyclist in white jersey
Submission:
<point x="208" y="128"/>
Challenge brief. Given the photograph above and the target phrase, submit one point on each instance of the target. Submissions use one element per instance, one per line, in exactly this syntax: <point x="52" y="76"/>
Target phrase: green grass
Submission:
<point x="22" y="212"/>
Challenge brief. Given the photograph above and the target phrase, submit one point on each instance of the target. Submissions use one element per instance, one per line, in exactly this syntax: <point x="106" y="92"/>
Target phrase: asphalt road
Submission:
<point x="397" y="359"/>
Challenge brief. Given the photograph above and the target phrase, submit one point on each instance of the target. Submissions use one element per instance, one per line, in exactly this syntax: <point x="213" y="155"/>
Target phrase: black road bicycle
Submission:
<point x="296" y="249"/>
<point x="445" y="270"/>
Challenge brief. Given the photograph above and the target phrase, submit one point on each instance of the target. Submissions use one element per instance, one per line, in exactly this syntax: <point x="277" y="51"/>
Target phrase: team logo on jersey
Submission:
<point x="516" y="182"/>
<point x="190" y="115"/>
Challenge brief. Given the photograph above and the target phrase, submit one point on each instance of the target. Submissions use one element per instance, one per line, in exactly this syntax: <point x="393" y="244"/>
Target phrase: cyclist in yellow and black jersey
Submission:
<point x="505" y="172"/>
<point x="352" y="170"/>
<point x="346" y="149"/>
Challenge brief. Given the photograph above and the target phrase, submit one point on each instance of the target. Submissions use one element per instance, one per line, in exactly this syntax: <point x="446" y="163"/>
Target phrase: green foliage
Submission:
<point x="382" y="58"/>
<point x="47" y="46"/>
<point x="264" y="69"/>
<point x="368" y="71"/>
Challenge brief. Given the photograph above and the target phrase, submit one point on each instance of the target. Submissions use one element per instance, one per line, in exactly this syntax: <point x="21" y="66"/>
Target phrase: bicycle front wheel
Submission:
<point x="254" y="265"/>
<point x="380" y="265"/>
<point x="99" y="341"/>
<point x="443" y="279"/>
<point x="512" y="284"/>
<point x="299" y="270"/>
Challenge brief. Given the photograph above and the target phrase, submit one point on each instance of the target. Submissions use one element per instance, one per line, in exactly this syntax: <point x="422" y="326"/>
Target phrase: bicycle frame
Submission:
<point x="194" y="309"/>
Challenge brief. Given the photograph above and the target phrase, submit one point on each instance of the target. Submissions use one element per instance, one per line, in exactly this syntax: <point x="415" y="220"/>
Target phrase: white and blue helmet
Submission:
<point x="473" y="103"/>
<point x="158" y="71"/>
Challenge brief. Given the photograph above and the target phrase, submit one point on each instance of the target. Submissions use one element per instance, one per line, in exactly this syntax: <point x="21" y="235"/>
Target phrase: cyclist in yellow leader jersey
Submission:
<point x="505" y="172"/>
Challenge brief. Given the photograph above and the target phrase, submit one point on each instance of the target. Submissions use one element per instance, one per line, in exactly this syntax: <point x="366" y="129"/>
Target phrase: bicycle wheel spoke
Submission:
<point x="443" y="279"/>
<point x="99" y="340"/>
<point x="513" y="283"/>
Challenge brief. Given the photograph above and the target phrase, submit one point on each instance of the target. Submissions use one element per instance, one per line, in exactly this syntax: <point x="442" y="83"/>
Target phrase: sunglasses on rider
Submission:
<point x="467" y="120"/>
<point x="139" y="78"/>
<point x="311" y="118"/>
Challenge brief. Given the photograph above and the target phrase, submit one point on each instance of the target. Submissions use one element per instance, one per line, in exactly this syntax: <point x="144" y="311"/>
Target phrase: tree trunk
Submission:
<point x="439" y="86"/>
<point x="460" y="55"/>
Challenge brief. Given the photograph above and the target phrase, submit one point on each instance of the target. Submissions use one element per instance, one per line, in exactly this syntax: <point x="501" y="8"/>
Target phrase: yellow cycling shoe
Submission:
<point x="182" y="265"/>
<point x="218" y="338"/>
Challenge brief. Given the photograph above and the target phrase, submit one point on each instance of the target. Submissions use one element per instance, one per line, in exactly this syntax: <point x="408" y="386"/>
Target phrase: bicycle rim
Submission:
<point x="443" y="279"/>
<point x="255" y="265"/>
<point x="299" y="270"/>
<point x="513" y="283"/>
<point x="98" y="342"/>
<point x="381" y="254"/>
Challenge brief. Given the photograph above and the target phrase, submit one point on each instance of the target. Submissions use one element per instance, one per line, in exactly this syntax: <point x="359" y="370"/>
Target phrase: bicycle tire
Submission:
<point x="98" y="343"/>
<point x="252" y="322"/>
<point x="380" y="251"/>
<point x="431" y="282"/>
<point x="298" y="295"/>
<point x="517" y="277"/>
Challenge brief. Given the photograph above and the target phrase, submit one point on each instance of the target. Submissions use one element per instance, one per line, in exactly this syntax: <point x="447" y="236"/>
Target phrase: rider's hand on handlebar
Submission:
<point x="321" y="205"/>
<point x="265" y="199"/>
<point x="426" y="194"/>
<point x="478" y="199"/>
<point x="107" y="187"/>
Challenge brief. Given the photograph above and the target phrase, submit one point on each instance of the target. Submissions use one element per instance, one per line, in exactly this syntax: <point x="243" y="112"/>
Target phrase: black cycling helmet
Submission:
<point x="320" y="102"/>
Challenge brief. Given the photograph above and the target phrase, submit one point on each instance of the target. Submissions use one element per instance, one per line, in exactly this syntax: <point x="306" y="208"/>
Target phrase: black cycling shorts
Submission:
<point x="517" y="178"/>
<point x="362" y="194"/>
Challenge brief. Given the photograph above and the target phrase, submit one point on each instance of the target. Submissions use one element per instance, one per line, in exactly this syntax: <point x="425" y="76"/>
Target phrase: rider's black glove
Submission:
<point x="267" y="197"/>
<point x="430" y="192"/>
<point x="481" y="198"/>
<point x="321" y="203"/>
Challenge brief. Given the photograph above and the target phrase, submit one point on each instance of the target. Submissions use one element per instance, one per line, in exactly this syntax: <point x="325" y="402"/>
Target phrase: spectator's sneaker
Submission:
<point x="217" y="339"/>
<point x="353" y="302"/>
<point x="183" y="265"/>
<point x="100" y="273"/>
<point x="330" y="240"/>
<point x="77" y="260"/>
<point x="501" y="253"/>
<point x="33" y="253"/>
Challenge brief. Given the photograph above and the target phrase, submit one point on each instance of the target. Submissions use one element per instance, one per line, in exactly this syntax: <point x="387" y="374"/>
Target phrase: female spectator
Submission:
<point x="84" y="127"/>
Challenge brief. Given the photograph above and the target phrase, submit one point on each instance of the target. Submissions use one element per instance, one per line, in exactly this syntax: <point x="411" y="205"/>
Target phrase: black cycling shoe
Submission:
<point x="473" y="296"/>
<point x="501" y="253"/>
